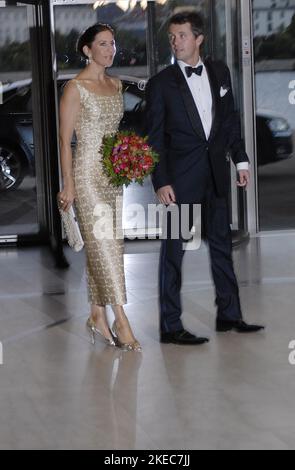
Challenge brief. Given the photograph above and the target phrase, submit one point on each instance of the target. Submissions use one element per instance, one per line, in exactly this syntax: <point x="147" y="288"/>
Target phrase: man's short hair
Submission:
<point x="194" y="18"/>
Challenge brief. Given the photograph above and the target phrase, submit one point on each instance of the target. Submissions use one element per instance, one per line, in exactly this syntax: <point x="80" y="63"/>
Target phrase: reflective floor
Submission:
<point x="60" y="392"/>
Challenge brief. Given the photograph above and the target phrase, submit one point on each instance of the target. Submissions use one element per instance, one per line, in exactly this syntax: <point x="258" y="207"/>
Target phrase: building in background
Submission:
<point x="272" y="16"/>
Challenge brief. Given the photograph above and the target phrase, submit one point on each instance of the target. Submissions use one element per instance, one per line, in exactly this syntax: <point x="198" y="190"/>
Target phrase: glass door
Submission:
<point x="130" y="20"/>
<point x="27" y="201"/>
<point x="226" y="46"/>
<point x="274" y="41"/>
<point x="143" y="49"/>
<point x="28" y="133"/>
<point x="223" y="42"/>
<point x="18" y="188"/>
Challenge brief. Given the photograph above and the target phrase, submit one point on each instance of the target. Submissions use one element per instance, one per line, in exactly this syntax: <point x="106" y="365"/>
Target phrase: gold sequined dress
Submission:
<point x="96" y="198"/>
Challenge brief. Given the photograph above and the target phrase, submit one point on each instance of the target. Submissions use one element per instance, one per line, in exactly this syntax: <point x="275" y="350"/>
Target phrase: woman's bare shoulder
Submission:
<point x="70" y="90"/>
<point x="71" y="85"/>
<point x="116" y="81"/>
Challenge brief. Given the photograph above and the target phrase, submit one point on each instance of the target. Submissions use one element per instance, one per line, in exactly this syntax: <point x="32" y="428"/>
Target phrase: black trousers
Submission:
<point x="217" y="233"/>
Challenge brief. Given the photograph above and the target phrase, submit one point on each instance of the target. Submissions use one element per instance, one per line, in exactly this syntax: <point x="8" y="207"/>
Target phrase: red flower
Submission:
<point x="127" y="157"/>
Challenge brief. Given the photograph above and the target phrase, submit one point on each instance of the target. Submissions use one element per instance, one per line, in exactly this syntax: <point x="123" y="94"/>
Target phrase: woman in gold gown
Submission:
<point x="92" y="106"/>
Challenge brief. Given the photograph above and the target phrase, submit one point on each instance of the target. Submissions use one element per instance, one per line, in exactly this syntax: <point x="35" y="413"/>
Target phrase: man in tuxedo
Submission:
<point x="192" y="124"/>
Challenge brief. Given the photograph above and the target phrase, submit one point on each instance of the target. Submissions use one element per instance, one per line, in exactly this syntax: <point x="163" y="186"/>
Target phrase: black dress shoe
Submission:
<point x="182" y="337"/>
<point x="240" y="326"/>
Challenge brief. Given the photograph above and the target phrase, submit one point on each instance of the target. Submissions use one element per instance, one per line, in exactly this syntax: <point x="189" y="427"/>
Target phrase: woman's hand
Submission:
<point x="67" y="196"/>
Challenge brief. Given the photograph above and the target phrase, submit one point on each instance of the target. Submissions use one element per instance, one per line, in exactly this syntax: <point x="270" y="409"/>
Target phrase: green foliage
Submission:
<point x="15" y="57"/>
<point x="67" y="55"/>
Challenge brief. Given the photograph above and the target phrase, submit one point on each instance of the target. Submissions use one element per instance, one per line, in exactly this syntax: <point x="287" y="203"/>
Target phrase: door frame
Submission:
<point x="45" y="133"/>
<point x="249" y="113"/>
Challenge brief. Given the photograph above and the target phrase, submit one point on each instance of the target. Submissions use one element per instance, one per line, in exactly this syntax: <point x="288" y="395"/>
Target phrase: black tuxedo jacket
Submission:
<point x="175" y="131"/>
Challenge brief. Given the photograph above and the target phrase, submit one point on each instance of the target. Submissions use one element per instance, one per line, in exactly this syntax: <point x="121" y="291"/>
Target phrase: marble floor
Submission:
<point x="60" y="392"/>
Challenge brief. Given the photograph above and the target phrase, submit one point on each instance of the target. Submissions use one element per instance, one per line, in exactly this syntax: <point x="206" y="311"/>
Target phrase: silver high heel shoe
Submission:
<point x="93" y="331"/>
<point x="135" y="346"/>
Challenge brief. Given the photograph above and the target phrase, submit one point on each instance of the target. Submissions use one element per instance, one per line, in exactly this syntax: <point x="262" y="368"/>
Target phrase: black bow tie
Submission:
<point x="197" y="70"/>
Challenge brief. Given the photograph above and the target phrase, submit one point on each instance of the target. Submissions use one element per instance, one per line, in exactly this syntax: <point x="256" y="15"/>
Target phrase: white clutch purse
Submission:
<point x="72" y="229"/>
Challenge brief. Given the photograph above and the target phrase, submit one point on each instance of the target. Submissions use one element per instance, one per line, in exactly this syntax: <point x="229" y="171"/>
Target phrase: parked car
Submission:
<point x="16" y="135"/>
<point x="274" y="135"/>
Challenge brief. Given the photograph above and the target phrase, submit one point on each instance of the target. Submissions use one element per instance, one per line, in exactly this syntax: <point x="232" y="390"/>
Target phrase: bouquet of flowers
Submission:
<point x="127" y="158"/>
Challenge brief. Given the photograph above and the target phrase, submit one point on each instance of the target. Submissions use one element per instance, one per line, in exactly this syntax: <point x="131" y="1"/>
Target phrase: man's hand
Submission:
<point x="166" y="195"/>
<point x="244" y="179"/>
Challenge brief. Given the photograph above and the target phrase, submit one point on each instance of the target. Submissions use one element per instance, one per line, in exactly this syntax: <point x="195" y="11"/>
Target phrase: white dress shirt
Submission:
<point x="202" y="94"/>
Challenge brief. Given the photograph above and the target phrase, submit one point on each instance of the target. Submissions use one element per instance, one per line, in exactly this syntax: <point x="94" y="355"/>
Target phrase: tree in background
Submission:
<point x="277" y="46"/>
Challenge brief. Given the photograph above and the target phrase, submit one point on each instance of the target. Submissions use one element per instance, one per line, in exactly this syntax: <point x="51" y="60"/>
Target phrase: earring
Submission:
<point x="89" y="60"/>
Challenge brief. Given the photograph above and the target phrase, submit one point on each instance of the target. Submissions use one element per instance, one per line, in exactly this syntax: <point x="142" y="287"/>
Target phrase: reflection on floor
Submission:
<point x="60" y="392"/>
